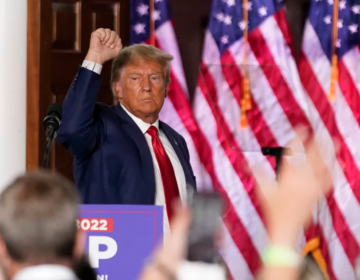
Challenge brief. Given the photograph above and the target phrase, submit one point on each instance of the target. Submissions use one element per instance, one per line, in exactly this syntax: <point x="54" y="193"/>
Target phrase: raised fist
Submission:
<point x="104" y="45"/>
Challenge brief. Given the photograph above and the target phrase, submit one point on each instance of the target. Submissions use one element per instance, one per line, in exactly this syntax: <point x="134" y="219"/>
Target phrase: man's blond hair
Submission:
<point x="137" y="51"/>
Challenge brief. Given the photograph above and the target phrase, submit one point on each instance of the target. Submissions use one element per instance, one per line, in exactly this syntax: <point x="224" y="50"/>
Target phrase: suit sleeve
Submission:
<point x="80" y="131"/>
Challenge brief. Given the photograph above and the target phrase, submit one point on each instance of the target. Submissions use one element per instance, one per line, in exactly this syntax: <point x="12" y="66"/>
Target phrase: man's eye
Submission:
<point x="134" y="79"/>
<point x="155" y="78"/>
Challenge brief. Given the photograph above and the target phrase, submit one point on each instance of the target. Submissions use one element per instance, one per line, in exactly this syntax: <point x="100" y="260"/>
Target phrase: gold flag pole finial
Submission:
<point x="334" y="57"/>
<point x="245" y="102"/>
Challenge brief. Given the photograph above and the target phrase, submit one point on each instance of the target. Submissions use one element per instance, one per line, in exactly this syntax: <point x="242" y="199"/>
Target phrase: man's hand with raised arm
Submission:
<point x="104" y="45"/>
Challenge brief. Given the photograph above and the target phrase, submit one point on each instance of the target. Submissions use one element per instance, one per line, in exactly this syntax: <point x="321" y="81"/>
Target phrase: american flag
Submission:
<point x="176" y="111"/>
<point x="340" y="119"/>
<point x="283" y="95"/>
<point x="278" y="105"/>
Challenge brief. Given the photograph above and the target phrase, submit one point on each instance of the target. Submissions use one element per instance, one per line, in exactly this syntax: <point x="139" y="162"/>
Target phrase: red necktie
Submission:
<point x="171" y="189"/>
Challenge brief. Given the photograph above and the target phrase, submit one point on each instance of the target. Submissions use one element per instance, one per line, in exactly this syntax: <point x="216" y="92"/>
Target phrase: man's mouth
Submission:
<point x="147" y="99"/>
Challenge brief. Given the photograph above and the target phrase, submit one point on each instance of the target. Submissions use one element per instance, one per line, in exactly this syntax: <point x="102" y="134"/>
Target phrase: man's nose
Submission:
<point x="146" y="84"/>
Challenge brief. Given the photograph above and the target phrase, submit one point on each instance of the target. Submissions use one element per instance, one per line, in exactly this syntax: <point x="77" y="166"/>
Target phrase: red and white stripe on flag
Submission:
<point x="278" y="105"/>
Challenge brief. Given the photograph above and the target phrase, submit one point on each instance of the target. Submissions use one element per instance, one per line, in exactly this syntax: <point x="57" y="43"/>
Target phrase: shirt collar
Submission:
<point x="140" y="123"/>
<point x="45" y="272"/>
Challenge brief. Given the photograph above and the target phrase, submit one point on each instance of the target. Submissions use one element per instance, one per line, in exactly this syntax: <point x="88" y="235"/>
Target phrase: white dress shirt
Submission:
<point x="179" y="172"/>
<point x="95" y="67"/>
<point x="46" y="272"/>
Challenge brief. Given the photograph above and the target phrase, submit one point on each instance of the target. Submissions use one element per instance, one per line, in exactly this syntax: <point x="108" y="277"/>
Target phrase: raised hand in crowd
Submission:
<point x="288" y="206"/>
<point x="167" y="260"/>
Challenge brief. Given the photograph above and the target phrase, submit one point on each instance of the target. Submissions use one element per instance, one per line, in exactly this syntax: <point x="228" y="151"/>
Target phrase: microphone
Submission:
<point x="52" y="121"/>
<point x="277" y="152"/>
<point x="51" y="124"/>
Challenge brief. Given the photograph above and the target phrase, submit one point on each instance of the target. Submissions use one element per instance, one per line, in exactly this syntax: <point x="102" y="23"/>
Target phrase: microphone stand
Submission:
<point x="277" y="152"/>
<point x="50" y="137"/>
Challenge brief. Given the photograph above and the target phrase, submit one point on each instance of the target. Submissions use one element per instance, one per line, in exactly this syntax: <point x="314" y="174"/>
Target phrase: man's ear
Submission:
<point x="167" y="87"/>
<point x="166" y="90"/>
<point x="118" y="89"/>
<point x="4" y="256"/>
<point x="79" y="245"/>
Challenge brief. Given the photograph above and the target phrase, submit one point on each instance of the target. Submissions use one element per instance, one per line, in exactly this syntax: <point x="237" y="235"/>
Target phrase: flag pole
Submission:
<point x="152" y="23"/>
<point x="334" y="57"/>
<point x="245" y="102"/>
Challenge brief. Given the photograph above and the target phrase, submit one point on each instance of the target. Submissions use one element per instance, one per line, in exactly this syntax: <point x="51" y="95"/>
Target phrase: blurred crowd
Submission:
<point x="39" y="238"/>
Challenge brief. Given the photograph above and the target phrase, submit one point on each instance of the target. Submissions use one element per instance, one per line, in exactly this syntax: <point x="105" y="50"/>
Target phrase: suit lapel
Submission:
<point x="135" y="133"/>
<point x="180" y="154"/>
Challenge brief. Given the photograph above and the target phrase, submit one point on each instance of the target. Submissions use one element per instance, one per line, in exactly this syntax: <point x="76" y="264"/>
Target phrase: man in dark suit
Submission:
<point x="123" y="154"/>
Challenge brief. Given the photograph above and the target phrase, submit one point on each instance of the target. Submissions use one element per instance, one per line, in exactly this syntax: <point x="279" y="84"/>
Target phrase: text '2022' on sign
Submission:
<point x="95" y="224"/>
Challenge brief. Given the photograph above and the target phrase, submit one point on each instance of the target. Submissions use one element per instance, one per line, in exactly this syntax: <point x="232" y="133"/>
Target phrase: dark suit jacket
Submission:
<point x="112" y="160"/>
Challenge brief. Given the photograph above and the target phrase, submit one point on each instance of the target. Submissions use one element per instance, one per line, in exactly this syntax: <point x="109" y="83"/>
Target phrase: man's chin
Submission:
<point x="149" y="115"/>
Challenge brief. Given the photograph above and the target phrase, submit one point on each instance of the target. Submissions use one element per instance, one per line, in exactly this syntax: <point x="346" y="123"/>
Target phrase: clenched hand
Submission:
<point x="104" y="45"/>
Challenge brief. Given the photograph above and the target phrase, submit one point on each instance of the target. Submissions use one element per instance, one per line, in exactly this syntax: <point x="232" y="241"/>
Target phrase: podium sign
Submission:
<point x="120" y="238"/>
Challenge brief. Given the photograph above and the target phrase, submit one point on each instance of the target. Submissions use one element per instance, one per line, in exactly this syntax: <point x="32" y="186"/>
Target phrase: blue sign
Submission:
<point x="120" y="238"/>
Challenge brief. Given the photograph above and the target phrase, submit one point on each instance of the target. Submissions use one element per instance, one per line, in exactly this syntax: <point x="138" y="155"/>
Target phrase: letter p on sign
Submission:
<point x="95" y="254"/>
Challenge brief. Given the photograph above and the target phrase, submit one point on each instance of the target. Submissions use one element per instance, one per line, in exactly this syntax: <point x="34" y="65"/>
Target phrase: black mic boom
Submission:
<point x="51" y="124"/>
<point x="52" y="120"/>
<point x="278" y="152"/>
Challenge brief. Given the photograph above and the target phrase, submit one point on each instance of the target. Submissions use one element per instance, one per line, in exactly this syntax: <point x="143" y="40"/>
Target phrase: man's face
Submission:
<point x="141" y="89"/>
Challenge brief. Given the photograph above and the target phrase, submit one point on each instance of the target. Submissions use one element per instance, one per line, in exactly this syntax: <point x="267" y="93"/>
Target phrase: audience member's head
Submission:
<point x="38" y="215"/>
<point x="310" y="270"/>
